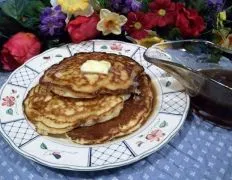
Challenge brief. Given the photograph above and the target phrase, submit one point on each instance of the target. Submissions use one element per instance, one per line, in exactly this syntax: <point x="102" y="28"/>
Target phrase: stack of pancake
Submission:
<point x="91" y="107"/>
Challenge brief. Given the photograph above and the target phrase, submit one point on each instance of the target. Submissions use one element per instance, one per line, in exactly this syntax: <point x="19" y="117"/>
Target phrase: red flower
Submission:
<point x="137" y="24"/>
<point x="190" y="23"/>
<point x="83" y="28"/>
<point x="8" y="101"/>
<point x="18" y="49"/>
<point x="163" y="12"/>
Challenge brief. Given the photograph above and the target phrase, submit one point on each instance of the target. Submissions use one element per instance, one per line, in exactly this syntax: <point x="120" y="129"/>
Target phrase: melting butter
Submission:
<point x="93" y="66"/>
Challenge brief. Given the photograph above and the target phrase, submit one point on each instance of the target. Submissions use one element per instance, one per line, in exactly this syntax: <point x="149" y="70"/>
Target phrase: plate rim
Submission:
<point x="90" y="168"/>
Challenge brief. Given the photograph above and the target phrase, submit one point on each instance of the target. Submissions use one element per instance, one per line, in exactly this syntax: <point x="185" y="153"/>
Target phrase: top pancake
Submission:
<point x="66" y="78"/>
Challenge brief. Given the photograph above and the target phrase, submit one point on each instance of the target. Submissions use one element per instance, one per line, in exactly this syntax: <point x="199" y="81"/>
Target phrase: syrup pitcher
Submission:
<point x="204" y="69"/>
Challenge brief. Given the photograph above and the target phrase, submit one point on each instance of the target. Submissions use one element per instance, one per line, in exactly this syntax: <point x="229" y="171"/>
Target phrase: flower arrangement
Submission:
<point x="28" y="27"/>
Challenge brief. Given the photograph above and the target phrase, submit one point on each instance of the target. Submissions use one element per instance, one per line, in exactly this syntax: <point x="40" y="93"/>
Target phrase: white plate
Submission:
<point x="167" y="118"/>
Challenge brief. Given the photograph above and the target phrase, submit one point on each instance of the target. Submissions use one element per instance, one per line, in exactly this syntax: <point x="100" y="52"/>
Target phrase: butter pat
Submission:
<point x="93" y="66"/>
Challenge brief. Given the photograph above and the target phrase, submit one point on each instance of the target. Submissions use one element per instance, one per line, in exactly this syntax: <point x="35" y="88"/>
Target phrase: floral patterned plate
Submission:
<point x="166" y="119"/>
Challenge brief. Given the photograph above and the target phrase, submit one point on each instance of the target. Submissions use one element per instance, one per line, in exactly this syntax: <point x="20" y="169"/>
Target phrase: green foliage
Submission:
<point x="145" y="4"/>
<point x="3" y="39"/>
<point x="46" y="2"/>
<point x="31" y="14"/>
<point x="8" y="25"/>
<point x="33" y="8"/>
<point x="2" y="35"/>
<point x="24" y="12"/>
<point x="102" y="3"/>
<point x="180" y="1"/>
<point x="14" y="8"/>
<point x="174" y="34"/>
<point x="50" y="42"/>
<point x="218" y="35"/>
<point x="199" y="5"/>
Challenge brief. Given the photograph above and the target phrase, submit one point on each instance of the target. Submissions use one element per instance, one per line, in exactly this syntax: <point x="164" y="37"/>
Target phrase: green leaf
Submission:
<point x="51" y="43"/>
<point x="46" y="2"/>
<point x="43" y="146"/>
<point x="9" y="111"/>
<point x="163" y="124"/>
<point x="31" y="23"/>
<point x="3" y="36"/>
<point x="14" y="8"/>
<point x="145" y="4"/>
<point x="33" y="8"/>
<point x="101" y="3"/>
<point x="174" y="34"/>
<point x="199" y="5"/>
<point x="31" y="14"/>
<point x="8" y="25"/>
<point x="168" y="83"/>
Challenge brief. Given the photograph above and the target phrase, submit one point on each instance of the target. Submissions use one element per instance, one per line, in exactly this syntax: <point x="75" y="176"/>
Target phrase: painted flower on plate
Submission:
<point x="110" y="22"/>
<point x="116" y="47"/>
<point x="155" y="135"/>
<point x="8" y="101"/>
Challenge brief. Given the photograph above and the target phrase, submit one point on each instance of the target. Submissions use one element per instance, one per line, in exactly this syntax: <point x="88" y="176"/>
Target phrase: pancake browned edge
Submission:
<point x="134" y="114"/>
<point x="53" y="114"/>
<point x="66" y="78"/>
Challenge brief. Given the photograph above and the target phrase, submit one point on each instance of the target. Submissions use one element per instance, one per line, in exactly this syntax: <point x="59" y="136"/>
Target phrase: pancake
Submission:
<point x="66" y="78"/>
<point x="42" y="129"/>
<point x="134" y="114"/>
<point x="53" y="114"/>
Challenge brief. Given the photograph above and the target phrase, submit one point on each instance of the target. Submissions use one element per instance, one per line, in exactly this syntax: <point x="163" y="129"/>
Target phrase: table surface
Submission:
<point x="200" y="150"/>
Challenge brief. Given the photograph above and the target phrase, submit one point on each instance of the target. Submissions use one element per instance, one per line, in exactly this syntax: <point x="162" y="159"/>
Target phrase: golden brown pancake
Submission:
<point x="53" y="114"/>
<point x="66" y="79"/>
<point x="134" y="114"/>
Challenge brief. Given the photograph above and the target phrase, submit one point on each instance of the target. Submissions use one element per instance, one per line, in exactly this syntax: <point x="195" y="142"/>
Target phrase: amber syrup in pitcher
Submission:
<point x="209" y="109"/>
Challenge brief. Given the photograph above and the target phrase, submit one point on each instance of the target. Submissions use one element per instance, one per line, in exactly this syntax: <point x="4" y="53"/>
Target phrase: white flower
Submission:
<point x="110" y="22"/>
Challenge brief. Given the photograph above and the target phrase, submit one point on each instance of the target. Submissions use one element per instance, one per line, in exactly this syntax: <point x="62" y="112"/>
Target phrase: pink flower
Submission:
<point x="8" y="101"/>
<point x="155" y="135"/>
<point x="116" y="47"/>
<point x="18" y="49"/>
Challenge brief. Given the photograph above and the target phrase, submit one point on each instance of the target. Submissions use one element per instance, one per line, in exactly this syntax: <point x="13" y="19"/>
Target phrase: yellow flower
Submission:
<point x="221" y="17"/>
<point x="227" y="43"/>
<point x="75" y="7"/>
<point x="223" y="38"/>
<point x="110" y="22"/>
<point x="148" y="41"/>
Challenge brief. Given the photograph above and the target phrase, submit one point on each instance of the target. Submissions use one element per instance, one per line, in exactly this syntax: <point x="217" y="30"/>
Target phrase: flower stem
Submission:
<point x="4" y="36"/>
<point x="207" y="32"/>
<point x="229" y="8"/>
